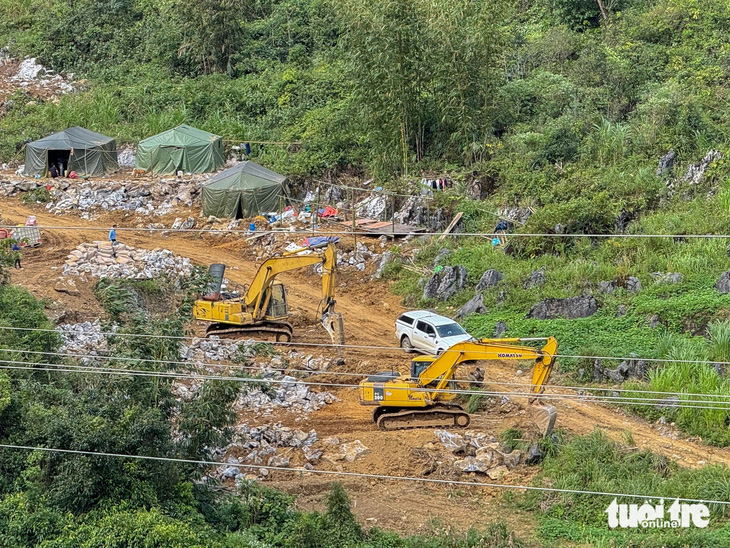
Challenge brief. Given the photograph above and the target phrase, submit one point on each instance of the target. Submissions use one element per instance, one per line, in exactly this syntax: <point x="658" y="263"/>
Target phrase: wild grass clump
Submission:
<point x="596" y="463"/>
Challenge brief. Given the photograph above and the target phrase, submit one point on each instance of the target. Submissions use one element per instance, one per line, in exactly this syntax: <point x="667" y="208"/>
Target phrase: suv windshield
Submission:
<point x="450" y="330"/>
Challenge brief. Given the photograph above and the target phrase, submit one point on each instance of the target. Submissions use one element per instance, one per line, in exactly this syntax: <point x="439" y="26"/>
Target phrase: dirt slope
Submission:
<point x="369" y="311"/>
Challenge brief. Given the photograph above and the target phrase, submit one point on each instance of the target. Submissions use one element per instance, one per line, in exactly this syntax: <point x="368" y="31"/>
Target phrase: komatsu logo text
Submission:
<point x="509" y="355"/>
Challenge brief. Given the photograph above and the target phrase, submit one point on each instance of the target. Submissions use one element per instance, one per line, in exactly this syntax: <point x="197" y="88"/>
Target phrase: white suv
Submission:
<point x="428" y="332"/>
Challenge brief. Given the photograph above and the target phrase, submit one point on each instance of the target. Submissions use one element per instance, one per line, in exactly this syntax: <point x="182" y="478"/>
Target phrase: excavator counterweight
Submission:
<point x="426" y="398"/>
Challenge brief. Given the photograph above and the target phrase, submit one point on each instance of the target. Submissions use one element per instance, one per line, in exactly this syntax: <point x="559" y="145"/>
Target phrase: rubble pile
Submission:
<point x="157" y="197"/>
<point x="99" y="260"/>
<point x="358" y="258"/>
<point x="290" y="394"/>
<point x="126" y="156"/>
<point x="36" y="79"/>
<point x="372" y="207"/>
<point x="480" y="452"/>
<point x="214" y="348"/>
<point x="143" y="198"/>
<point x="83" y="337"/>
<point x="258" y="445"/>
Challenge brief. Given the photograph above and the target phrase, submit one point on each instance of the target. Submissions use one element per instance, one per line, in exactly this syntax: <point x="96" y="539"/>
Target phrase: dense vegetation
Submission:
<point x="54" y="500"/>
<point x="561" y="106"/>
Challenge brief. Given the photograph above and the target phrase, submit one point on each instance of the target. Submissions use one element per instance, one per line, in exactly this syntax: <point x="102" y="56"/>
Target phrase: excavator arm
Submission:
<point x="267" y="272"/>
<point x="442" y="369"/>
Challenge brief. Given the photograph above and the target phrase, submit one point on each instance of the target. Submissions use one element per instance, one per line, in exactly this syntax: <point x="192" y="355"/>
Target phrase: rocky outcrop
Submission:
<point x="446" y="283"/>
<point x="695" y="172"/>
<point x="490" y="278"/>
<point x="500" y="329"/>
<point x="666" y="165"/>
<point x="442" y="255"/>
<point x="634" y="368"/>
<point x="723" y="283"/>
<point x="667" y="277"/>
<point x="536" y="279"/>
<point x="473" y="306"/>
<point x="570" y="308"/>
<point x="607" y="287"/>
<point x="414" y="212"/>
<point x="632" y="284"/>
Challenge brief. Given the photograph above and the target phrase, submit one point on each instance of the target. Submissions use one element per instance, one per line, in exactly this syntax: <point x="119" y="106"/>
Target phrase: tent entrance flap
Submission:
<point x="58" y="158"/>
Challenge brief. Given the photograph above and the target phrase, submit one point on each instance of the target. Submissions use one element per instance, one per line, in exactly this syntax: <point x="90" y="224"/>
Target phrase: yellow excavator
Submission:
<point x="423" y="400"/>
<point x="262" y="310"/>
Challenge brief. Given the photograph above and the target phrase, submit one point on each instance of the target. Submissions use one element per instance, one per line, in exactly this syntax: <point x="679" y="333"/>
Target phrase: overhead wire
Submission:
<point x="196" y="363"/>
<point x="350" y="346"/>
<point x="386" y="477"/>
<point x="50" y="367"/>
<point x="319" y="231"/>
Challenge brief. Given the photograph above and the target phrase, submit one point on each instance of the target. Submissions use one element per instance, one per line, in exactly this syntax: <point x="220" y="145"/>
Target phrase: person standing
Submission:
<point x="16" y="248"/>
<point x="113" y="238"/>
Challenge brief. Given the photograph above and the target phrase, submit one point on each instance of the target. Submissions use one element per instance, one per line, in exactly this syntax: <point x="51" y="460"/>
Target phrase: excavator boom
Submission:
<point x="423" y="399"/>
<point x="262" y="308"/>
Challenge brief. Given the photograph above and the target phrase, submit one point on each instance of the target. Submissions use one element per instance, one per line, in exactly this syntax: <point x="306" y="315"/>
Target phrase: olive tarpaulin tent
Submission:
<point x="182" y="148"/>
<point x="76" y="149"/>
<point x="245" y="190"/>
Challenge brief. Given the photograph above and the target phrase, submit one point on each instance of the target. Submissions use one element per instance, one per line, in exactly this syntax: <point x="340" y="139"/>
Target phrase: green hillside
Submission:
<point x="552" y="113"/>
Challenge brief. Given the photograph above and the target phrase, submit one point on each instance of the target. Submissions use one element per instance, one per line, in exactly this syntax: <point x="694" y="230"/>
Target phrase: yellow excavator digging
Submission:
<point x="262" y="311"/>
<point x="423" y="399"/>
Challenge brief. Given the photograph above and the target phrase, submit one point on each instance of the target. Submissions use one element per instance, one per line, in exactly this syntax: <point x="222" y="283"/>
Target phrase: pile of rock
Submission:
<point x="372" y="207"/>
<point x="480" y="452"/>
<point x="216" y="349"/>
<point x="259" y="445"/>
<point x="359" y="257"/>
<point x="148" y="197"/>
<point x="287" y="393"/>
<point x="83" y="337"/>
<point x="100" y="260"/>
<point x="144" y="198"/>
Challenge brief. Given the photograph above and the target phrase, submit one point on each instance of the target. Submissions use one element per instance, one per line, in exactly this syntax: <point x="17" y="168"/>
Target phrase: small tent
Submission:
<point x="244" y="190"/>
<point x="182" y="148"/>
<point x="75" y="149"/>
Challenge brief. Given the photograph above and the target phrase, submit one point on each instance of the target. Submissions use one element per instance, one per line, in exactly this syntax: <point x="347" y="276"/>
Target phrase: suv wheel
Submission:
<point x="405" y="344"/>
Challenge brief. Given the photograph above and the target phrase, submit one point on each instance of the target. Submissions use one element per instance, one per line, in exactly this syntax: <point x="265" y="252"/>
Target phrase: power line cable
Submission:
<point x="42" y="366"/>
<point x="359" y="474"/>
<point x="92" y="357"/>
<point x="318" y="231"/>
<point x="349" y="346"/>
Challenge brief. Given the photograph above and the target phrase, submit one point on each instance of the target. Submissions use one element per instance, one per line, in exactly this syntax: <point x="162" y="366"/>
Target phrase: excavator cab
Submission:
<point x="420" y="364"/>
<point x="276" y="308"/>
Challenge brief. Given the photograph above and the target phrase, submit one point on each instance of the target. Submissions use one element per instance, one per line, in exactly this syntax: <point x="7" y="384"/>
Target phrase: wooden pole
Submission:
<point x="393" y="217"/>
<point x="354" y="215"/>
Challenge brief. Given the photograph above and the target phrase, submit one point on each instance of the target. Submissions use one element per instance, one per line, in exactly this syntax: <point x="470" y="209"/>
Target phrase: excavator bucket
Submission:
<point x="543" y="415"/>
<point x="335" y="326"/>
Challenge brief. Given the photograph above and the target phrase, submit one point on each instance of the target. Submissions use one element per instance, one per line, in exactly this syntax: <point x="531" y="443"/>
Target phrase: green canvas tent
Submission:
<point x="245" y="190"/>
<point x="76" y="149"/>
<point x="182" y="148"/>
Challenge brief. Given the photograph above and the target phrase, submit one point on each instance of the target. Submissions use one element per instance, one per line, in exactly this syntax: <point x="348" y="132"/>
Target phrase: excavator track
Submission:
<point x="277" y="331"/>
<point x="435" y="416"/>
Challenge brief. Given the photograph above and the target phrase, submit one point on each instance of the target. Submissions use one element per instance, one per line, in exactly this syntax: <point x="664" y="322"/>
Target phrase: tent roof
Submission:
<point x="73" y="137"/>
<point x="245" y="176"/>
<point x="179" y="136"/>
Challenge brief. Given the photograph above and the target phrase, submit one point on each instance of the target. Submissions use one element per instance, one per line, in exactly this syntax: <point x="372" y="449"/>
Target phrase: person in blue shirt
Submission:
<point x="16" y="248"/>
<point x="113" y="238"/>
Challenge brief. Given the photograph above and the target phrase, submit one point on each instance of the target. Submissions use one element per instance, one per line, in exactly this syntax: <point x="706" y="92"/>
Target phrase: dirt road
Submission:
<point x="369" y="311"/>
